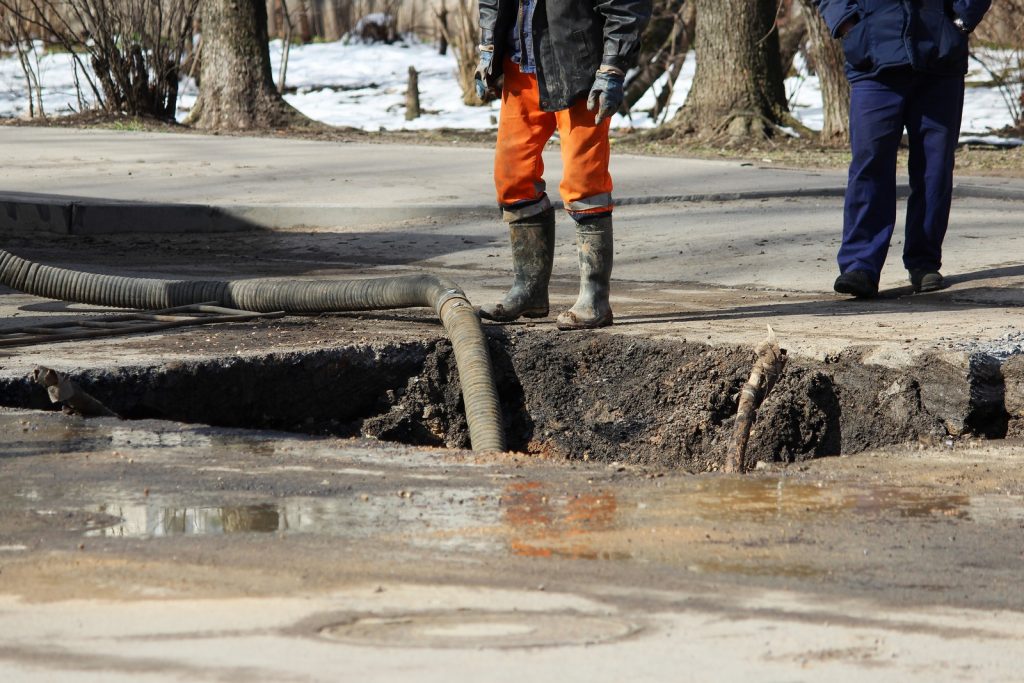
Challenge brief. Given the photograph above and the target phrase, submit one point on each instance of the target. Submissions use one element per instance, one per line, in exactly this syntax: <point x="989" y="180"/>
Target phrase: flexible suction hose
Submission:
<point x="267" y="295"/>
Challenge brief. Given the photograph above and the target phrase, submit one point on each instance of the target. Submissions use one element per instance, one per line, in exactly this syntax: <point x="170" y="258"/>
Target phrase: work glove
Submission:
<point x="607" y="93"/>
<point x="484" y="79"/>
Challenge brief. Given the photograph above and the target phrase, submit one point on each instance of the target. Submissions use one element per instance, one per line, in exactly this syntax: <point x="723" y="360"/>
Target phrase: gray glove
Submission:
<point x="607" y="93"/>
<point x="484" y="79"/>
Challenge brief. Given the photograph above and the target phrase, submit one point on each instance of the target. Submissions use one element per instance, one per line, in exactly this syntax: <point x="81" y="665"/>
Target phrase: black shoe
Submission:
<point x="859" y="283"/>
<point x="926" y="280"/>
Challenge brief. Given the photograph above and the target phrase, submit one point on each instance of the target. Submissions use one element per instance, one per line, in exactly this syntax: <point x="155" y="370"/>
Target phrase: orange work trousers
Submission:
<point x="523" y="130"/>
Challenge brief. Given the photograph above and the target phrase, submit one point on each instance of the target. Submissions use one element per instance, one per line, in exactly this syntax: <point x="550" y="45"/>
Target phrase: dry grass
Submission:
<point x="791" y="153"/>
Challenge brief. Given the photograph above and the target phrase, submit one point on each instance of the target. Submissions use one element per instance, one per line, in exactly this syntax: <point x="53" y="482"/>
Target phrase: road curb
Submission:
<point x="969" y="191"/>
<point x="68" y="215"/>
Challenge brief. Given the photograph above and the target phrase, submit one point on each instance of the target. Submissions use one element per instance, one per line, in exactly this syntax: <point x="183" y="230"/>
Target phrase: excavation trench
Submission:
<point x="597" y="397"/>
<point x="292" y="296"/>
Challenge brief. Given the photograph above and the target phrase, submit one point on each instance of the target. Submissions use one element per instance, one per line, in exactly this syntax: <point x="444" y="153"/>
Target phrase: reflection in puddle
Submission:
<point x="125" y="437"/>
<point x="750" y="526"/>
<point x="551" y="526"/>
<point x="733" y="499"/>
<point x="141" y="520"/>
<point x="446" y="514"/>
<point x="719" y="524"/>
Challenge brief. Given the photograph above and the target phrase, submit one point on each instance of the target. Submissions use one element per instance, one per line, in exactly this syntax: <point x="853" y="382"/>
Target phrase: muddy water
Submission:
<point x="946" y="522"/>
<point x="536" y="510"/>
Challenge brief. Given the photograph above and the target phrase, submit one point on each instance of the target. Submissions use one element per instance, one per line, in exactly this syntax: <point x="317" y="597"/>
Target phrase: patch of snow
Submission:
<point x="992" y="140"/>
<point x="57" y="75"/>
<point x="363" y="86"/>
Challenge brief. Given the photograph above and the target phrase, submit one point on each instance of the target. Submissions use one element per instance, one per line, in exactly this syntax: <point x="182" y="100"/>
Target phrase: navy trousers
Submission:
<point x="930" y="108"/>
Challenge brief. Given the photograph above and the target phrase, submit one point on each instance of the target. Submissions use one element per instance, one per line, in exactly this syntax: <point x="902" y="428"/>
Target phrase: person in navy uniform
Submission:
<point x="906" y="61"/>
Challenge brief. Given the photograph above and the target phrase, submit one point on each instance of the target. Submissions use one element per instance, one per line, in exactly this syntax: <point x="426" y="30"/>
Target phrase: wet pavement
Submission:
<point x="178" y="552"/>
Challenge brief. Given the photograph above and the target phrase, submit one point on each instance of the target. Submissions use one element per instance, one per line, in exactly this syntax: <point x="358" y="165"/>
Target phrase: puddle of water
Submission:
<point x="128" y="437"/>
<point x="672" y="523"/>
<point x="427" y="518"/>
<point x="153" y="521"/>
<point x="702" y="524"/>
<point x="542" y="524"/>
<point x="759" y="499"/>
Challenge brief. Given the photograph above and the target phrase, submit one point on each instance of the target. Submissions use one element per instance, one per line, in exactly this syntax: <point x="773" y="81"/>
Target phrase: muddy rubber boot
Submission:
<point x="594" y="247"/>
<point x="533" y="250"/>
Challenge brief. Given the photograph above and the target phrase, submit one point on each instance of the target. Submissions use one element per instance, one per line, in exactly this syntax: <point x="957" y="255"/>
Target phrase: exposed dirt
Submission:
<point x="600" y="397"/>
<point x="671" y="404"/>
<point x="605" y="398"/>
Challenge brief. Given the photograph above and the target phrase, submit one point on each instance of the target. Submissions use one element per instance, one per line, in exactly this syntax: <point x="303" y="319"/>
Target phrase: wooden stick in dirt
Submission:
<point x="64" y="390"/>
<point x="768" y="366"/>
<point x="412" y="95"/>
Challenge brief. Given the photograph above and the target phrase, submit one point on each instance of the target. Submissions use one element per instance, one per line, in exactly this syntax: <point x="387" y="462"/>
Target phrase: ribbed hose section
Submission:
<point x="475" y="374"/>
<point x="105" y="290"/>
<point x="313" y="296"/>
<point x="471" y="357"/>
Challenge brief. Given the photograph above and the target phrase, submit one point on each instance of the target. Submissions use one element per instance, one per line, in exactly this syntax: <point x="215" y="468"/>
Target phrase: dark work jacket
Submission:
<point x="572" y="38"/>
<point x="901" y="33"/>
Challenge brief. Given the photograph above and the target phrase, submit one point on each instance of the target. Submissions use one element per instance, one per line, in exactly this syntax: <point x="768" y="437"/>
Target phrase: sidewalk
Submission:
<point x="95" y="181"/>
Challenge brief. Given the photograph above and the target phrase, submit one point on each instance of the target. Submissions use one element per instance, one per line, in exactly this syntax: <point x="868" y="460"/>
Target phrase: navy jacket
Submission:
<point x="900" y="33"/>
<point x="572" y="38"/>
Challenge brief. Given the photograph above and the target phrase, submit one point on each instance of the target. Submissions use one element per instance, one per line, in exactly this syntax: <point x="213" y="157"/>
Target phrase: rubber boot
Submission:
<point x="533" y="250"/>
<point x="594" y="247"/>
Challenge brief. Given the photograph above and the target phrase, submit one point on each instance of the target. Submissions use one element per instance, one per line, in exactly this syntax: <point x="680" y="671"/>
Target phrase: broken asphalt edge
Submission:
<point x="69" y="215"/>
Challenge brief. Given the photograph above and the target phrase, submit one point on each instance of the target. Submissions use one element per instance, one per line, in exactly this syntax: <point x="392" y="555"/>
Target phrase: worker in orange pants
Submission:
<point x="573" y="86"/>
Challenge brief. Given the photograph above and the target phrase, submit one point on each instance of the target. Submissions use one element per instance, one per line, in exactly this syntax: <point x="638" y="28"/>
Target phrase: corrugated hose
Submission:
<point x="303" y="296"/>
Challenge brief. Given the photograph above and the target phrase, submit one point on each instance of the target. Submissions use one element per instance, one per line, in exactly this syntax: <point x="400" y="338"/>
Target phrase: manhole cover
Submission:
<point x="480" y="630"/>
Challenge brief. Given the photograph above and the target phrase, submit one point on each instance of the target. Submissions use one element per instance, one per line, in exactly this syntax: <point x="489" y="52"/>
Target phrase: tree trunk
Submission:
<point x="237" y="89"/>
<point x="792" y="23"/>
<point x="738" y="89"/>
<point x="462" y="32"/>
<point x="827" y="60"/>
<point x="442" y="23"/>
<point x="664" y="48"/>
<point x="412" y="95"/>
<point x="305" y="25"/>
<point x="272" y="26"/>
<point x="330" y="17"/>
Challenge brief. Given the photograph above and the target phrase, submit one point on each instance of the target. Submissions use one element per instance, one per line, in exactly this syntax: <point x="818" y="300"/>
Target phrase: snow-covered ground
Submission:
<point x="363" y="86"/>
